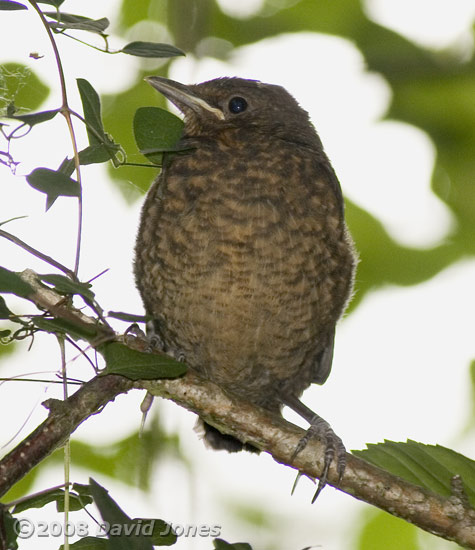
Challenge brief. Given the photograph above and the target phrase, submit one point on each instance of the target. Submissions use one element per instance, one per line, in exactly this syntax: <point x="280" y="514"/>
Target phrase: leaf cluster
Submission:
<point x="121" y="530"/>
<point x="119" y="358"/>
<point x="102" y="147"/>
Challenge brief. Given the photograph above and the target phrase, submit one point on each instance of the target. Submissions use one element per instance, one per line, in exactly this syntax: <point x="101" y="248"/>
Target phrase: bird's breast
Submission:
<point x="243" y="263"/>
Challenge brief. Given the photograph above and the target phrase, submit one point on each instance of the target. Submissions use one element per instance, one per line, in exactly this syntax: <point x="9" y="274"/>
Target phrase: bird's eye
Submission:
<point x="237" y="105"/>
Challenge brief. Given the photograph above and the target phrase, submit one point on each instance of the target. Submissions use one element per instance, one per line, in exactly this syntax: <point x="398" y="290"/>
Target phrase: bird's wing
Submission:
<point x="323" y="363"/>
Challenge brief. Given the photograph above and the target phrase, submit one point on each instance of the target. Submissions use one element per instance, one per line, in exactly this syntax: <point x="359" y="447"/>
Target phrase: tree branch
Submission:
<point x="63" y="419"/>
<point x="446" y="517"/>
<point x="449" y="518"/>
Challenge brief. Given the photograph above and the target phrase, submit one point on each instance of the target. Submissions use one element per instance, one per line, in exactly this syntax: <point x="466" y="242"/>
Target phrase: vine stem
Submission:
<point x="67" y="446"/>
<point x="66" y="112"/>
<point x="25" y="498"/>
<point x="38" y="254"/>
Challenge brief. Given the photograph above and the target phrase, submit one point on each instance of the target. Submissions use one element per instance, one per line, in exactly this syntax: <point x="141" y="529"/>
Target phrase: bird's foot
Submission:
<point x="155" y="342"/>
<point x="153" y="339"/>
<point x="180" y="356"/>
<point x="334" y="450"/>
<point x="135" y="330"/>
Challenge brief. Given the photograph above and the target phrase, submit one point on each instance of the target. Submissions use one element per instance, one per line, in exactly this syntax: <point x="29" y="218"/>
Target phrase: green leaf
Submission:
<point x="92" y="154"/>
<point x="39" y="500"/>
<point x="20" y="86"/>
<point x="381" y="530"/>
<point x="118" y="111"/>
<point x="161" y="532"/>
<point x="26" y="484"/>
<point x="10" y="5"/>
<point x="151" y="49"/>
<point x="79" y="497"/>
<point x="95" y="154"/>
<point x="55" y="3"/>
<point x="67" y="167"/>
<point x="76" y="502"/>
<point x="121" y="527"/>
<point x="472" y="380"/>
<point x="91" y="105"/>
<point x="128" y="317"/>
<point x="131" y="460"/>
<point x="5" y="313"/>
<point x="78" y="22"/>
<point x="36" y="118"/>
<point x="10" y="531"/>
<point x="82" y="489"/>
<point x="107" y="506"/>
<point x="54" y="184"/>
<point x="156" y="130"/>
<point x="12" y="283"/>
<point x="137" y="365"/>
<point x="430" y="466"/>
<point x="220" y="544"/>
<point x="89" y="543"/>
<point x="62" y="326"/>
<point x="5" y="333"/>
<point x="64" y="285"/>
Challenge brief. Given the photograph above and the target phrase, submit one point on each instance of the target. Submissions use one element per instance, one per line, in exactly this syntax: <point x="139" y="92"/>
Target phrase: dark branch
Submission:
<point x="37" y="253"/>
<point x="63" y="419"/>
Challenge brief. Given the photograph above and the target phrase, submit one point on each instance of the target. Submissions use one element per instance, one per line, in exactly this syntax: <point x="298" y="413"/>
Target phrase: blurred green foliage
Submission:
<point x="381" y="530"/>
<point x="20" y="87"/>
<point x="131" y="460"/>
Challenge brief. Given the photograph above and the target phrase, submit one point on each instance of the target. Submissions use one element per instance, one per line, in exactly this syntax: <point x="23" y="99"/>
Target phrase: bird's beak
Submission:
<point x="182" y="96"/>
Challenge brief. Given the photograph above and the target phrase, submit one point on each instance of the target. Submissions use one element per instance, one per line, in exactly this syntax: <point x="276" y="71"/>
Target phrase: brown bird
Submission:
<point x="243" y="259"/>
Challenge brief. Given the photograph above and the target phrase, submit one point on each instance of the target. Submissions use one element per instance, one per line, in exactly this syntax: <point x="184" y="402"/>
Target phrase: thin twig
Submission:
<point x="17" y="379"/>
<point x="13" y="503"/>
<point x="66" y="112"/>
<point x="102" y="50"/>
<point x="38" y="254"/>
<point x="67" y="446"/>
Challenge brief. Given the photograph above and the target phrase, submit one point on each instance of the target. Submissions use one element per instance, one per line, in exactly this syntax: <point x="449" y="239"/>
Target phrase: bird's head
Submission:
<point x="218" y="106"/>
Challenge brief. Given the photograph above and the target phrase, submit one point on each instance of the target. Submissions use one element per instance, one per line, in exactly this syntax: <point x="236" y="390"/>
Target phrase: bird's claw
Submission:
<point x="135" y="331"/>
<point x="154" y="342"/>
<point x="334" y="450"/>
<point x="145" y="407"/>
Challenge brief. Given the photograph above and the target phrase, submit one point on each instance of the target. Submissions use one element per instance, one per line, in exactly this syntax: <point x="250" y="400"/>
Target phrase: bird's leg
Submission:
<point x="320" y="428"/>
<point x="154" y="343"/>
<point x="153" y="339"/>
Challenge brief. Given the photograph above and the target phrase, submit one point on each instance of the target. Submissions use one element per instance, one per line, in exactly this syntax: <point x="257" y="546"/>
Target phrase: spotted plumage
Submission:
<point x="243" y="258"/>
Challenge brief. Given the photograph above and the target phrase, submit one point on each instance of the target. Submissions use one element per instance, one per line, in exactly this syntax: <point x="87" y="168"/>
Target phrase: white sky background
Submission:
<point x="401" y="360"/>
